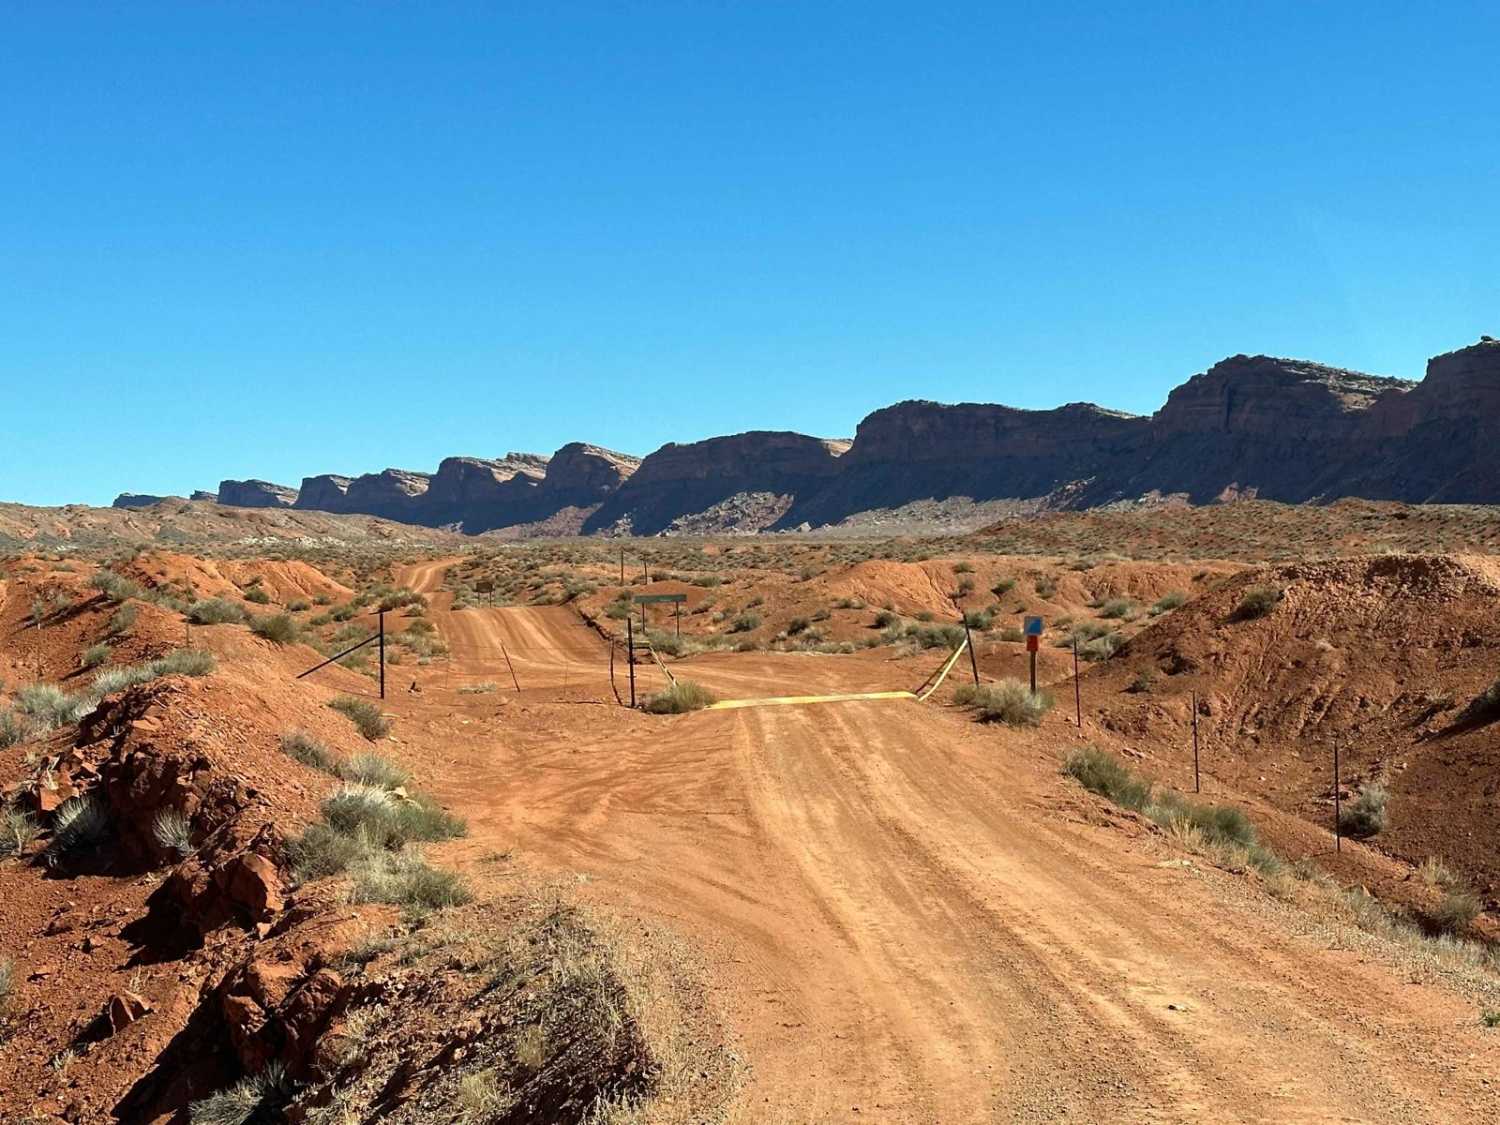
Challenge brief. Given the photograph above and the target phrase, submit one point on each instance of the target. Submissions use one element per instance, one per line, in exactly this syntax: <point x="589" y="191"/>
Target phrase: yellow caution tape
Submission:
<point x="788" y="700"/>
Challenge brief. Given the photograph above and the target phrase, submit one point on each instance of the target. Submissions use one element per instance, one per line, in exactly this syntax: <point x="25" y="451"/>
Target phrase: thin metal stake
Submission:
<point x="382" y="654"/>
<point x="630" y="658"/>
<point x="969" y="640"/>
<point x="1195" y="742"/>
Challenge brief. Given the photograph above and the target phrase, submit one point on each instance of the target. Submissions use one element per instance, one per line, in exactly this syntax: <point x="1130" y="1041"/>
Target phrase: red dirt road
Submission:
<point x="914" y="919"/>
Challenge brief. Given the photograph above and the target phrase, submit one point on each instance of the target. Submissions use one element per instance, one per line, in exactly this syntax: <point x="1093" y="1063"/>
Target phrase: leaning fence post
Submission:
<point x="969" y="640"/>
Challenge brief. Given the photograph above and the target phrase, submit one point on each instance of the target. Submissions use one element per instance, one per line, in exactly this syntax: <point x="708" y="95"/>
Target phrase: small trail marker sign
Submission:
<point x="1032" y="627"/>
<point x="643" y="600"/>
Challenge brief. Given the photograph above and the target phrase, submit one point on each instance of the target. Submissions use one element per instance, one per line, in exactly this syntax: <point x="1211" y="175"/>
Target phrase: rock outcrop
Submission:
<point x="139" y="500"/>
<point x="678" y="480"/>
<point x="392" y="494"/>
<point x="1280" y="429"/>
<point x="325" y="493"/>
<point x="255" y="494"/>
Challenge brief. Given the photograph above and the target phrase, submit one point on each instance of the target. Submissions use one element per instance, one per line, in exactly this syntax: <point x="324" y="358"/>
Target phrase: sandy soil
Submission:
<point x="914" y="918"/>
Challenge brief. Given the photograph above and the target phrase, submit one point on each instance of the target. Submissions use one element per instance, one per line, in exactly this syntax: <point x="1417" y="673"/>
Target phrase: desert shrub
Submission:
<point x="1144" y="681"/>
<point x="7" y="982"/>
<point x="708" y="580"/>
<point x="979" y="619"/>
<point x="1101" y="647"/>
<point x="372" y="769"/>
<point x="1103" y="773"/>
<point x="174" y="832"/>
<point x="364" y="715"/>
<point x="487" y="687"/>
<point x="322" y="850"/>
<point x="299" y="605"/>
<point x="182" y="662"/>
<point x="1003" y="587"/>
<point x="280" y="628"/>
<point x="887" y="618"/>
<point x="681" y="697"/>
<point x="17" y="830"/>
<point x="80" y="822"/>
<point x="14" y="728"/>
<point x="94" y="655"/>
<point x="257" y="596"/>
<point x="667" y="643"/>
<point x="1116" y="607"/>
<point x="1456" y="912"/>
<point x="1256" y="602"/>
<point x="1009" y="701"/>
<point x="250" y="1101"/>
<point x="49" y="706"/>
<point x="399" y="598"/>
<point x="405" y="879"/>
<point x="309" y="751"/>
<point x="1045" y="587"/>
<point x="1365" y="815"/>
<point x="797" y="625"/>
<point x="745" y="623"/>
<point x="215" y="611"/>
<point x="935" y="636"/>
<point x="375" y="814"/>
<point x="1012" y="634"/>
<point x="121" y="620"/>
<point x="115" y="587"/>
<point x="963" y="568"/>
<point x="1168" y="601"/>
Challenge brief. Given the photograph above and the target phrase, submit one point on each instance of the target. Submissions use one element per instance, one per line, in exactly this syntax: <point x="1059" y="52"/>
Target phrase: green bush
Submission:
<point x="257" y="595"/>
<point x="745" y="623"/>
<point x="1116" y="608"/>
<point x="94" y="655"/>
<point x="182" y="662"/>
<point x="17" y="830"/>
<point x="115" y="587"/>
<point x="1003" y="587"/>
<point x="1103" y="773"/>
<point x="1256" y="602"/>
<point x="1009" y="701"/>
<point x="364" y="715"/>
<point x="370" y="768"/>
<point x="309" y="751"/>
<point x="681" y="697"/>
<point x="215" y="611"/>
<point x="405" y="879"/>
<point x="174" y="832"/>
<point x="1457" y="911"/>
<point x="1169" y="601"/>
<point x="935" y="636"/>
<point x="280" y="628"/>
<point x="80" y="822"/>
<point x="250" y="1101"/>
<point x="50" y="707"/>
<point x="121" y="620"/>
<point x="1365" y="815"/>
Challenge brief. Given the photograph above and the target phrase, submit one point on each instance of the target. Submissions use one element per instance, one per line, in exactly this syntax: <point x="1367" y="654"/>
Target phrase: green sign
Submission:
<point x="652" y="599"/>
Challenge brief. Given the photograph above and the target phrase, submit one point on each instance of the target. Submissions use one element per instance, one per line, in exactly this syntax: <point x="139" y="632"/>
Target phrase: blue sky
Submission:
<point x="253" y="239"/>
